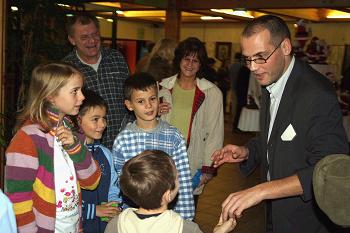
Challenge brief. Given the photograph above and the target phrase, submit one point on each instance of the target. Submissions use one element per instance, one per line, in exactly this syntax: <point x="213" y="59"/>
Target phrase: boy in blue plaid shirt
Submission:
<point x="148" y="132"/>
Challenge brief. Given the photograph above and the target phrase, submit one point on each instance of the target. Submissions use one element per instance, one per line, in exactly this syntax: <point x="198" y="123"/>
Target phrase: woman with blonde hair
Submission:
<point x="160" y="60"/>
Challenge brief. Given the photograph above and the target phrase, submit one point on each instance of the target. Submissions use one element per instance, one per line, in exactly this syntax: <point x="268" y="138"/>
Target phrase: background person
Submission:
<point x="7" y="216"/>
<point x="331" y="183"/>
<point x="300" y="126"/>
<point x="105" y="70"/>
<point x="239" y="75"/>
<point x="160" y="61"/>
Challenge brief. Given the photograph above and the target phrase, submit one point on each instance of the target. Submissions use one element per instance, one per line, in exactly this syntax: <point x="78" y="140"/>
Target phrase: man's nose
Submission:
<point x="92" y="39"/>
<point x="253" y="66"/>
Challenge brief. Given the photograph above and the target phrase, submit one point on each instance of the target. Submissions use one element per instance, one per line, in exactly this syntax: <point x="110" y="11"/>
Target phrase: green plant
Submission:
<point x="3" y="139"/>
<point x="35" y="34"/>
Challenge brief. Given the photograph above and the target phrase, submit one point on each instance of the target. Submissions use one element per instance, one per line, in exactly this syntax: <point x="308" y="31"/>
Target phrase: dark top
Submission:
<point x="310" y="106"/>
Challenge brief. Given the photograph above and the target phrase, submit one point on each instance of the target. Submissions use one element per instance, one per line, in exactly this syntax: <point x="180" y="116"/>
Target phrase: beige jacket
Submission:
<point x="167" y="222"/>
<point x="207" y="132"/>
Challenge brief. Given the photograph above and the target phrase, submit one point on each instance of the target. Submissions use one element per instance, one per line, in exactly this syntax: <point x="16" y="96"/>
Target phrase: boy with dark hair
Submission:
<point x="100" y="204"/>
<point x="150" y="133"/>
<point x="151" y="180"/>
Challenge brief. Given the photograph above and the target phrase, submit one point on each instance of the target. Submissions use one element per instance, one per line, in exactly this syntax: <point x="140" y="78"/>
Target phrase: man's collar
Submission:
<point x="276" y="89"/>
<point x="98" y="60"/>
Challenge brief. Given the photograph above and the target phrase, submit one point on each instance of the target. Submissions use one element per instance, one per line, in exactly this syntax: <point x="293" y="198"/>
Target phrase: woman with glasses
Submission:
<point x="194" y="105"/>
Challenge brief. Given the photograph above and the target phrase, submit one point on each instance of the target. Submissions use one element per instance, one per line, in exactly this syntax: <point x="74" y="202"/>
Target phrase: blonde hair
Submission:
<point x="164" y="49"/>
<point x="46" y="81"/>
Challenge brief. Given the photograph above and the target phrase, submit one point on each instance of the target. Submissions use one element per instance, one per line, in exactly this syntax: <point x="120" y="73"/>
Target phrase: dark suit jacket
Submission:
<point x="310" y="105"/>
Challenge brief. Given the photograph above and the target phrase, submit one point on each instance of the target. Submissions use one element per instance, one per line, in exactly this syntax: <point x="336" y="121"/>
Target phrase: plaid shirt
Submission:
<point x="108" y="82"/>
<point x="133" y="140"/>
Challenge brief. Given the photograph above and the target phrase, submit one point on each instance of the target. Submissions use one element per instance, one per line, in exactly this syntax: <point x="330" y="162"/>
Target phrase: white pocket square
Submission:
<point x="288" y="134"/>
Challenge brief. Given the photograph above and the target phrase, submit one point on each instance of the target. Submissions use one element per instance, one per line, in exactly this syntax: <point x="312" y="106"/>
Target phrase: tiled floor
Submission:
<point x="229" y="180"/>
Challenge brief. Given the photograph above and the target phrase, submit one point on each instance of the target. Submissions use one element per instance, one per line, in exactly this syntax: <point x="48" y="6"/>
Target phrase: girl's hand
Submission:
<point x="65" y="136"/>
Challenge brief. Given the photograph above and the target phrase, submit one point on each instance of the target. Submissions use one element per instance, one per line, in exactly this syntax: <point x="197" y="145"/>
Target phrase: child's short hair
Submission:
<point x="46" y="80"/>
<point x="146" y="177"/>
<point x="139" y="81"/>
<point x="92" y="100"/>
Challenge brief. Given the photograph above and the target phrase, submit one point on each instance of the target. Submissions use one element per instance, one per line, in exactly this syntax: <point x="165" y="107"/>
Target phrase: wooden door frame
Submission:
<point x="2" y="77"/>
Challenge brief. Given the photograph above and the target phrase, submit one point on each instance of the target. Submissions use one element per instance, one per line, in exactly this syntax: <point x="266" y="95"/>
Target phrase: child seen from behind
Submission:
<point x="100" y="204"/>
<point x="151" y="181"/>
<point x="47" y="161"/>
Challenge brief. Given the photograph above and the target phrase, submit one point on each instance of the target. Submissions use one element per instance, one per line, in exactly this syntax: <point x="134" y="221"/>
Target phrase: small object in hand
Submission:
<point x="209" y="170"/>
<point x="106" y="219"/>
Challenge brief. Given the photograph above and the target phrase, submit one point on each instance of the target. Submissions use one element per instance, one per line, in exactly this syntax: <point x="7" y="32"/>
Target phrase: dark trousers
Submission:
<point x="269" y="228"/>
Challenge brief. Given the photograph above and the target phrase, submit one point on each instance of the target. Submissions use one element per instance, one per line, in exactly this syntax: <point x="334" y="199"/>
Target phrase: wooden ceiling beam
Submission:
<point x="256" y="4"/>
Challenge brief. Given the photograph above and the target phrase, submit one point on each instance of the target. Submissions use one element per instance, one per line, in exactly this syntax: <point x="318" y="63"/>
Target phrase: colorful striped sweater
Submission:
<point x="29" y="178"/>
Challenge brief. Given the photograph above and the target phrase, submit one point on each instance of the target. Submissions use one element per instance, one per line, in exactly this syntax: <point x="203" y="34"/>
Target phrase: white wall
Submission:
<point x="129" y="30"/>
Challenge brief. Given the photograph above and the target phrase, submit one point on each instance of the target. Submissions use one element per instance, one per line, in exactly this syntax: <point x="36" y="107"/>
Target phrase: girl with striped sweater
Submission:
<point x="46" y="161"/>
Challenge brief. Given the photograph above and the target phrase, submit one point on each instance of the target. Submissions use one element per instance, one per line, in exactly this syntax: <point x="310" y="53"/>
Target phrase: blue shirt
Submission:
<point x="106" y="191"/>
<point x="165" y="137"/>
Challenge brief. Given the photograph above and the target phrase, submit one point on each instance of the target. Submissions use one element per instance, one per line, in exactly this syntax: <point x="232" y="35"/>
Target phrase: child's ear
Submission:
<point x="51" y="100"/>
<point x="167" y="197"/>
<point x="128" y="105"/>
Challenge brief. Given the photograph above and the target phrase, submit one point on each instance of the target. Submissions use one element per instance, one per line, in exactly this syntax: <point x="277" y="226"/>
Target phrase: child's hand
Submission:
<point x="65" y="136"/>
<point x="225" y="227"/>
<point x="205" y="178"/>
<point x="109" y="209"/>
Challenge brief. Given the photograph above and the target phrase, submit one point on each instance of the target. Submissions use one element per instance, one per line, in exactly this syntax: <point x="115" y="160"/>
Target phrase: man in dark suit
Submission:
<point x="300" y="123"/>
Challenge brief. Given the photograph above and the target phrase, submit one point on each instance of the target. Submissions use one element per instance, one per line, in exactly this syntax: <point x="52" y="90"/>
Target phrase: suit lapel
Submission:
<point x="264" y="118"/>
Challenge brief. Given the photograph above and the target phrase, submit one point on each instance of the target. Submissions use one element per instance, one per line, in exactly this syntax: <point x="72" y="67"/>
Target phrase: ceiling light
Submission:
<point x="211" y="18"/>
<point x="63" y="5"/>
<point x="241" y="13"/>
<point x="69" y="15"/>
<point x="119" y="12"/>
<point x="14" y="8"/>
<point x="110" y="20"/>
<point x="334" y="14"/>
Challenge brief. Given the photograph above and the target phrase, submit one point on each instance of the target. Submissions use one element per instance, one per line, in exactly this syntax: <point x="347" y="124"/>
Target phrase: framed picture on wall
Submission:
<point x="223" y="50"/>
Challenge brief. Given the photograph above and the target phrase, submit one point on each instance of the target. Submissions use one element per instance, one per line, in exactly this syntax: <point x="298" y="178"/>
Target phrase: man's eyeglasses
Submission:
<point x="259" y="60"/>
